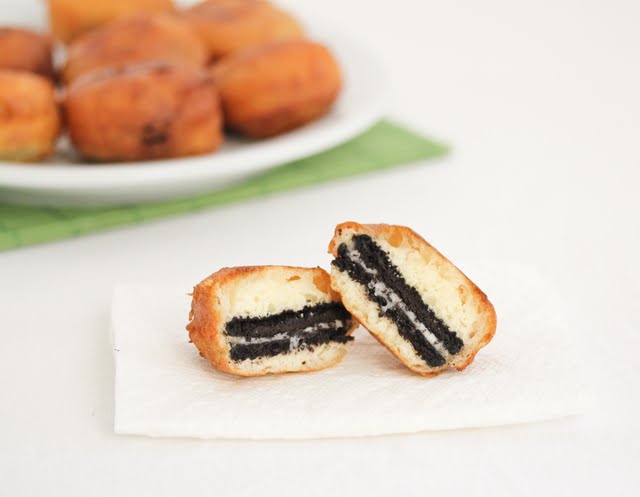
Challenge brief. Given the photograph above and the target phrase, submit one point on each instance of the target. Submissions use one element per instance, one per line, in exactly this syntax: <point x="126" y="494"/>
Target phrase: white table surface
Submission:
<point x="541" y="100"/>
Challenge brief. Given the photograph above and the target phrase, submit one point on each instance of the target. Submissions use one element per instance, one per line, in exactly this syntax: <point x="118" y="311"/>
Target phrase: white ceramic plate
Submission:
<point x="59" y="182"/>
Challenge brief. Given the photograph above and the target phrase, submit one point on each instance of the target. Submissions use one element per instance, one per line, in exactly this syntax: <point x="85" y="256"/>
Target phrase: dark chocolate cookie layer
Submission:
<point x="287" y="321"/>
<point x="285" y="332"/>
<point x="243" y="351"/>
<point x="240" y="352"/>
<point x="374" y="258"/>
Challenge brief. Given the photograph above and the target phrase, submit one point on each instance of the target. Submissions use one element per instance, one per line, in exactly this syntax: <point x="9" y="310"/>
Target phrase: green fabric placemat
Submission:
<point x="385" y="145"/>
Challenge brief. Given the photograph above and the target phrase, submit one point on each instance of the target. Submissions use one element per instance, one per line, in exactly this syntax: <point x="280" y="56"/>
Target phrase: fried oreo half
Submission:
<point x="258" y="320"/>
<point x="410" y="297"/>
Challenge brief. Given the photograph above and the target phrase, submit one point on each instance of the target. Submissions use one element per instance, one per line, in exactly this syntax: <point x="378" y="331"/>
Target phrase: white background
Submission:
<point x="541" y="102"/>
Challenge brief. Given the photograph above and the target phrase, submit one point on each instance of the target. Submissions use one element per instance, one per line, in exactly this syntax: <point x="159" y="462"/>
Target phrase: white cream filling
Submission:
<point x="295" y="340"/>
<point x="393" y="300"/>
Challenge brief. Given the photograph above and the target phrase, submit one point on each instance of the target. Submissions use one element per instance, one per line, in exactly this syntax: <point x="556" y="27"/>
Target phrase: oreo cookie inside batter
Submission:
<point x="369" y="265"/>
<point x="287" y="331"/>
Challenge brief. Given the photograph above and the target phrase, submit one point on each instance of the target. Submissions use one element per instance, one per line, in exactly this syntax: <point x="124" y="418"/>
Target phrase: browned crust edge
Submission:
<point x="419" y="243"/>
<point x="205" y="323"/>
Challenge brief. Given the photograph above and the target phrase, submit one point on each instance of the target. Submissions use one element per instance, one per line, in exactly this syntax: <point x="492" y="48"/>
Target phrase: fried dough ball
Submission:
<point x="70" y="18"/>
<point x="148" y="111"/>
<point x="140" y="38"/>
<point x="227" y="26"/>
<point x="29" y="117"/>
<point x="25" y="50"/>
<point x="274" y="88"/>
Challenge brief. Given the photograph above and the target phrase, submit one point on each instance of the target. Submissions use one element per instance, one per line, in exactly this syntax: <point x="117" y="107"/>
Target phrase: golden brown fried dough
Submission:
<point x="141" y="38"/>
<point x="70" y="18"/>
<point x="24" y="50"/>
<point x="227" y="26"/>
<point x="274" y="88"/>
<point x="29" y="118"/>
<point x="143" y="112"/>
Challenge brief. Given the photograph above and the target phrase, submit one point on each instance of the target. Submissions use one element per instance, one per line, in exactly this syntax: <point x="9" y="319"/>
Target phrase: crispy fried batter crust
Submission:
<point x="229" y="26"/>
<point x="144" y="112"/>
<point x="70" y="18"/>
<point x="24" y="50"/>
<point x="391" y="232"/>
<point x="274" y="88"/>
<point x="141" y="38"/>
<point x="29" y="117"/>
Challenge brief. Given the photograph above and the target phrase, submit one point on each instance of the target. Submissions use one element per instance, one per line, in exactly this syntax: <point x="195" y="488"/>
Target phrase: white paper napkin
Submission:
<point x="529" y="372"/>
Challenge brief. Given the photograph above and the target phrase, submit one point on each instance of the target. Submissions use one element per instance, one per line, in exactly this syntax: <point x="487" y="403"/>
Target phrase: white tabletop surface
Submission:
<point x="541" y="101"/>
